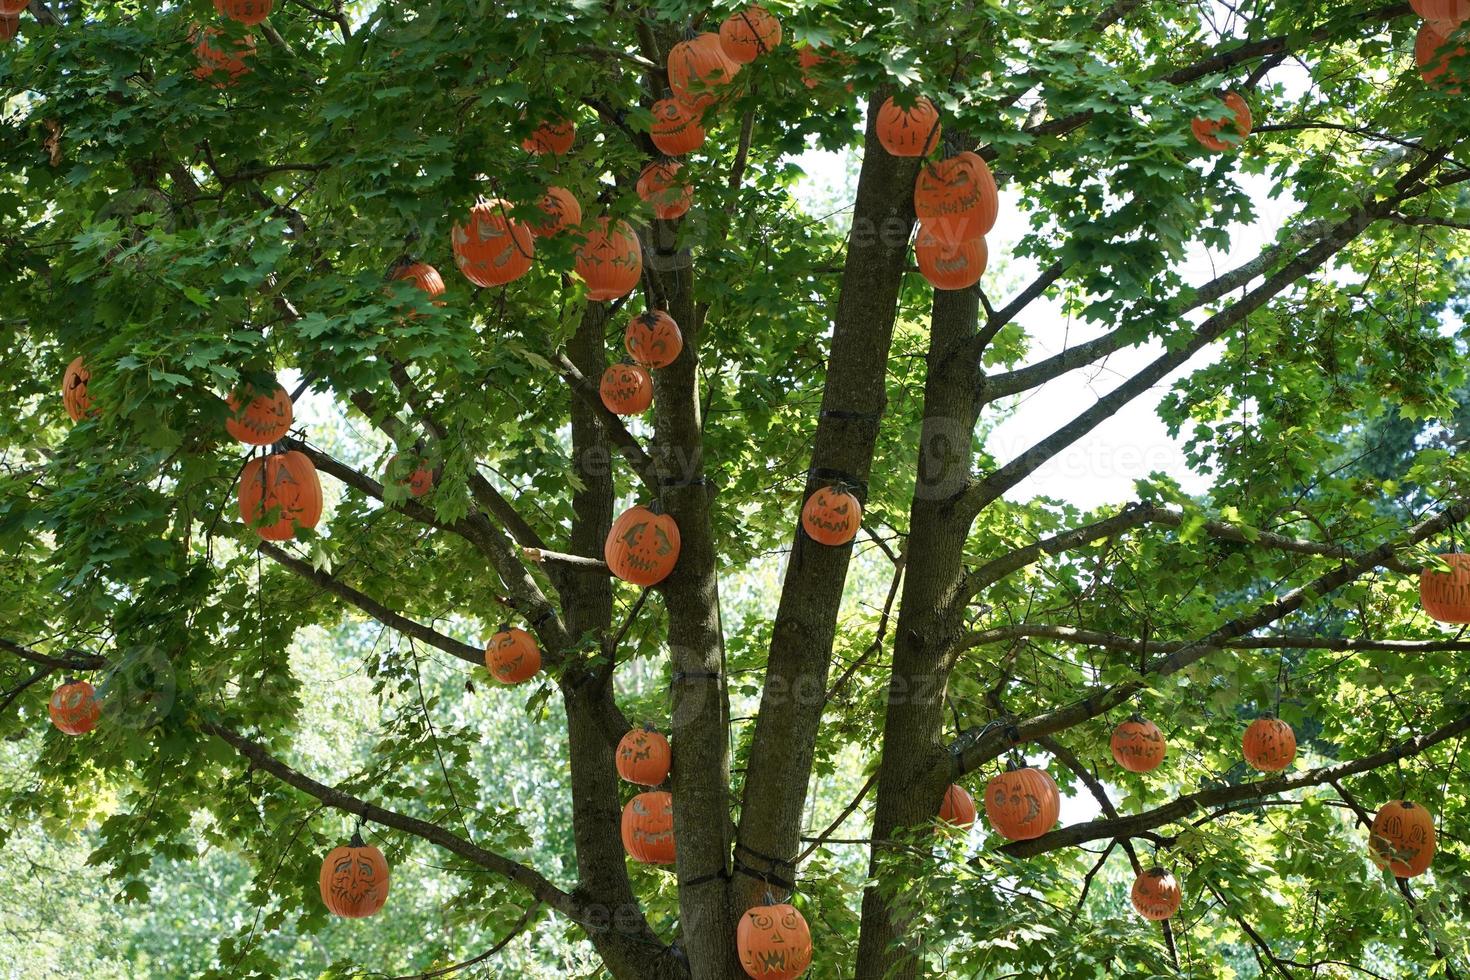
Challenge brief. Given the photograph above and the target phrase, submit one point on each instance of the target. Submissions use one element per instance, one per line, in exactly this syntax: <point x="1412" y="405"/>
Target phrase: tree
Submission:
<point x="191" y="236"/>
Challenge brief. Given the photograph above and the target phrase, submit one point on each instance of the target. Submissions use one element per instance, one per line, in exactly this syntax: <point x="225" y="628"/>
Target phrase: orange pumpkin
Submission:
<point x="492" y="248"/>
<point x="419" y="480"/>
<point x="354" y="879"/>
<point x="642" y="547"/>
<point x="247" y="12"/>
<point x="264" y="420"/>
<point x="422" y="275"/>
<point x="1205" y="130"/>
<point x="9" y="28"/>
<point x="74" y="708"/>
<point x="74" y="390"/>
<point x="644" y="756"/>
<point x="699" y="69"/>
<point x="1156" y="894"/>
<point x="1445" y="596"/>
<point x="561" y="209"/>
<point x="512" y="655"/>
<point x="747" y="34"/>
<point x="554" y="137"/>
<point x="610" y="260"/>
<point x="813" y="57"/>
<point x="832" y="516"/>
<point x="1433" y="56"/>
<point x="958" y="807"/>
<point x="659" y="186"/>
<point x="1138" y="745"/>
<point x="956" y="199"/>
<point x="653" y="339"/>
<point x="626" y="389"/>
<point x="1445" y="15"/>
<point x="285" y="484"/>
<point x="912" y="132"/>
<point x="1022" y="803"/>
<point x="216" y="64"/>
<point x="949" y="266"/>
<point x="774" y="942"/>
<point x="1269" y="744"/>
<point x="13" y="8"/>
<point x="1402" y="839"/>
<point x="648" y="828"/>
<point x="676" y="127"/>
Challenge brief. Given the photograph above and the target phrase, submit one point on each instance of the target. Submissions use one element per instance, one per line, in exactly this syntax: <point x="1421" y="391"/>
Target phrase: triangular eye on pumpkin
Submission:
<point x="653" y="339"/>
<point x="912" y="132"/>
<point x="747" y="34"/>
<point x="491" y="248"/>
<point x="74" y="708"/>
<point x="1445" y="596"/>
<point x="1206" y="130"/>
<point x="512" y="655"/>
<point x="626" y="389"/>
<point x="659" y="185"/>
<point x="642" y="547"/>
<point x="284" y="485"/>
<point x="1156" y="894"/>
<point x="259" y="419"/>
<point x="832" y="516"/>
<point x="1402" y="839"/>
<point x="1022" y="803"/>
<point x="610" y="260"/>
<point x="354" y="880"/>
<point x="561" y="209"/>
<point x="74" y="390"/>
<point x="643" y="756"/>
<point x="554" y="136"/>
<point x="648" y="828"/>
<point x="1269" y="744"/>
<point x="774" y="942"/>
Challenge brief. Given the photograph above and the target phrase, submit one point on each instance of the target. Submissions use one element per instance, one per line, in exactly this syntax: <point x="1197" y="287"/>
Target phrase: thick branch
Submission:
<point x="1115" y="641"/>
<point x="75" y="659"/>
<point x="617" y="433"/>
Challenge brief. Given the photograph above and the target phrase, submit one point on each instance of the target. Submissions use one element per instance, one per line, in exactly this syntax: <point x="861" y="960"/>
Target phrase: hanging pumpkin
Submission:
<point x="247" y="12"/>
<point x="1156" y="894"/>
<point x="1433" y="58"/>
<point x="9" y="28"/>
<point x="958" y="807"/>
<point x="561" y="209"/>
<point x="554" y="137"/>
<point x="1205" y="130"/>
<point x="659" y="186"/>
<point x="643" y="756"/>
<point x="1022" y="803"/>
<point x="626" y="389"/>
<point x="774" y="942"/>
<point x="1402" y="839"/>
<point x="285" y="484"/>
<point x="699" y="69"/>
<point x="642" y="547"/>
<point x="74" y="390"/>
<point x="1138" y="745"/>
<point x="419" y="480"/>
<point x="949" y="266"/>
<point x="217" y="65"/>
<point x="653" y="339"/>
<point x="676" y="127"/>
<point x="512" y="655"/>
<point x="610" y="260"/>
<point x="1445" y="596"/>
<point x="264" y="420"/>
<point x="492" y="248"/>
<point x="648" y="828"/>
<point x="422" y="275"/>
<point x="747" y="34"/>
<point x="832" y="516"/>
<point x="74" y="708"/>
<point x="1445" y="15"/>
<point x="956" y="199"/>
<point x="912" y="132"/>
<point x="1269" y="744"/>
<point x="354" y="879"/>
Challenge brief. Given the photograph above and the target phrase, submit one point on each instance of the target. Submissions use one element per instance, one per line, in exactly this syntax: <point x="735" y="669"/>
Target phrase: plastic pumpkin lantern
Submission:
<point x="283" y="484"/>
<point x="1402" y="839"/>
<point x="419" y="480"/>
<point x="561" y="209"/>
<point x="958" y="807"/>
<point x="263" y="420"/>
<point x="247" y="12"/>
<point x="747" y="34"/>
<point x="1138" y="745"/>
<point x="642" y="547"/>
<point x="74" y="708"/>
<point x="1445" y="596"/>
<point x="676" y="127"/>
<point x="74" y="390"/>
<point x="832" y="516"/>
<point x="610" y="260"/>
<point x="1022" y="803"/>
<point x="643" y="756"/>
<point x="648" y="828"/>
<point x="699" y="69"/>
<point x="1156" y="894"/>
<point x="956" y="199"/>
<point x="659" y="186"/>
<point x="1269" y="744"/>
<point x="774" y="942"/>
<point x="554" y="137"/>
<point x="354" y="879"/>
<point x="1445" y="15"/>
<point x="492" y="248"/>
<point x="512" y="655"/>
<point x="1206" y="130"/>
<point x="948" y="266"/>
<point x="653" y="339"/>
<point x="217" y="65"/>
<point x="1433" y="58"/>
<point x="9" y="28"/>
<point x="912" y="132"/>
<point x="626" y="389"/>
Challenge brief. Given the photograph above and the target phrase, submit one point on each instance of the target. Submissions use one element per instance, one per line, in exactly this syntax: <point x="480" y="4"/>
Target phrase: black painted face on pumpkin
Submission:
<point x="1011" y="794"/>
<point x="355" y="881"/>
<point x="648" y="545"/>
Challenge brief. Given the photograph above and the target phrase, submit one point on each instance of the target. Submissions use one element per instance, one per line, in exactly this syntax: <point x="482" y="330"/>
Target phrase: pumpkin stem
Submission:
<point x="357" y="840"/>
<point x="1136" y="718"/>
<point x="504" y="628"/>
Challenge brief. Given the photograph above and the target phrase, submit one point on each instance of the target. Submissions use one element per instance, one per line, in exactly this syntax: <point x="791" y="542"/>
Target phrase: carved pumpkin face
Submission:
<point x="492" y="248"/>
<point x="74" y="390"/>
<point x="626" y="389"/>
<point x="1445" y="596"/>
<point x="610" y="260"/>
<point x="642" y="547"/>
<point x="643" y="757"/>
<point x="561" y="210"/>
<point x="284" y="485"/>
<point x="676" y="129"/>
<point x="417" y="474"/>
<point x="1138" y="745"/>
<point x="1269" y="744"/>
<point x="1156" y="894"/>
<point x="1022" y="803"/>
<point x="217" y="64"/>
<point x="950" y="266"/>
<point x="747" y="34"/>
<point x="512" y="656"/>
<point x="956" y="199"/>
<point x="74" y="708"/>
<point x="912" y="132"/>
<point x="832" y="516"/>
<point x="774" y="942"/>
<point x="648" y="828"/>
<point x="699" y="69"/>
<point x="958" y="807"/>
<point x="1206" y="130"/>
<point x="555" y="137"/>
<point x="354" y="880"/>
<point x="653" y="339"/>
<point x="659" y="185"/>
<point x="1402" y="839"/>
<point x="259" y="420"/>
<point x="247" y="12"/>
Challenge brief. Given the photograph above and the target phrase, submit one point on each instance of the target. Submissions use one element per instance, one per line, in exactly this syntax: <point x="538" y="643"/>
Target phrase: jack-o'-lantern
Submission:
<point x="218" y="64"/>
<point x="699" y="69"/>
<point x="911" y="132"/>
<point x="1445" y="15"/>
<point x="648" y="828"/>
<point x="774" y="942"/>
<point x="512" y="655"/>
<point x="747" y="34"/>
<point x="832" y="516"/>
<point x="247" y="12"/>
<point x="74" y="390"/>
<point x="1138" y="745"/>
<point x="554" y="137"/>
<point x="610" y="260"/>
<point x="659" y="185"/>
<point x="1433" y="54"/>
<point x="1022" y="803"/>
<point x="1206" y="131"/>
<point x="284" y="485"/>
<point x="676" y="127"/>
<point x="1269" y="744"/>
<point x="949" y="266"/>
<point x="74" y="708"/>
<point x="354" y="879"/>
<point x="642" y="547"/>
<point x="561" y="209"/>
<point x="958" y="807"/>
<point x="1445" y="596"/>
<point x="643" y="756"/>
<point x="492" y="248"/>
<point x="653" y="339"/>
<point x="261" y="421"/>
<point x="1402" y="839"/>
<point x="413" y="472"/>
<point x="955" y="199"/>
<point x="9" y="28"/>
<point x="1156" y="894"/>
<point x="626" y="389"/>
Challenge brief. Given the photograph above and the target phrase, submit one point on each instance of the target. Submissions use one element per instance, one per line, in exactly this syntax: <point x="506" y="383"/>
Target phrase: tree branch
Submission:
<point x="617" y="433"/>
<point x="1115" y="641"/>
